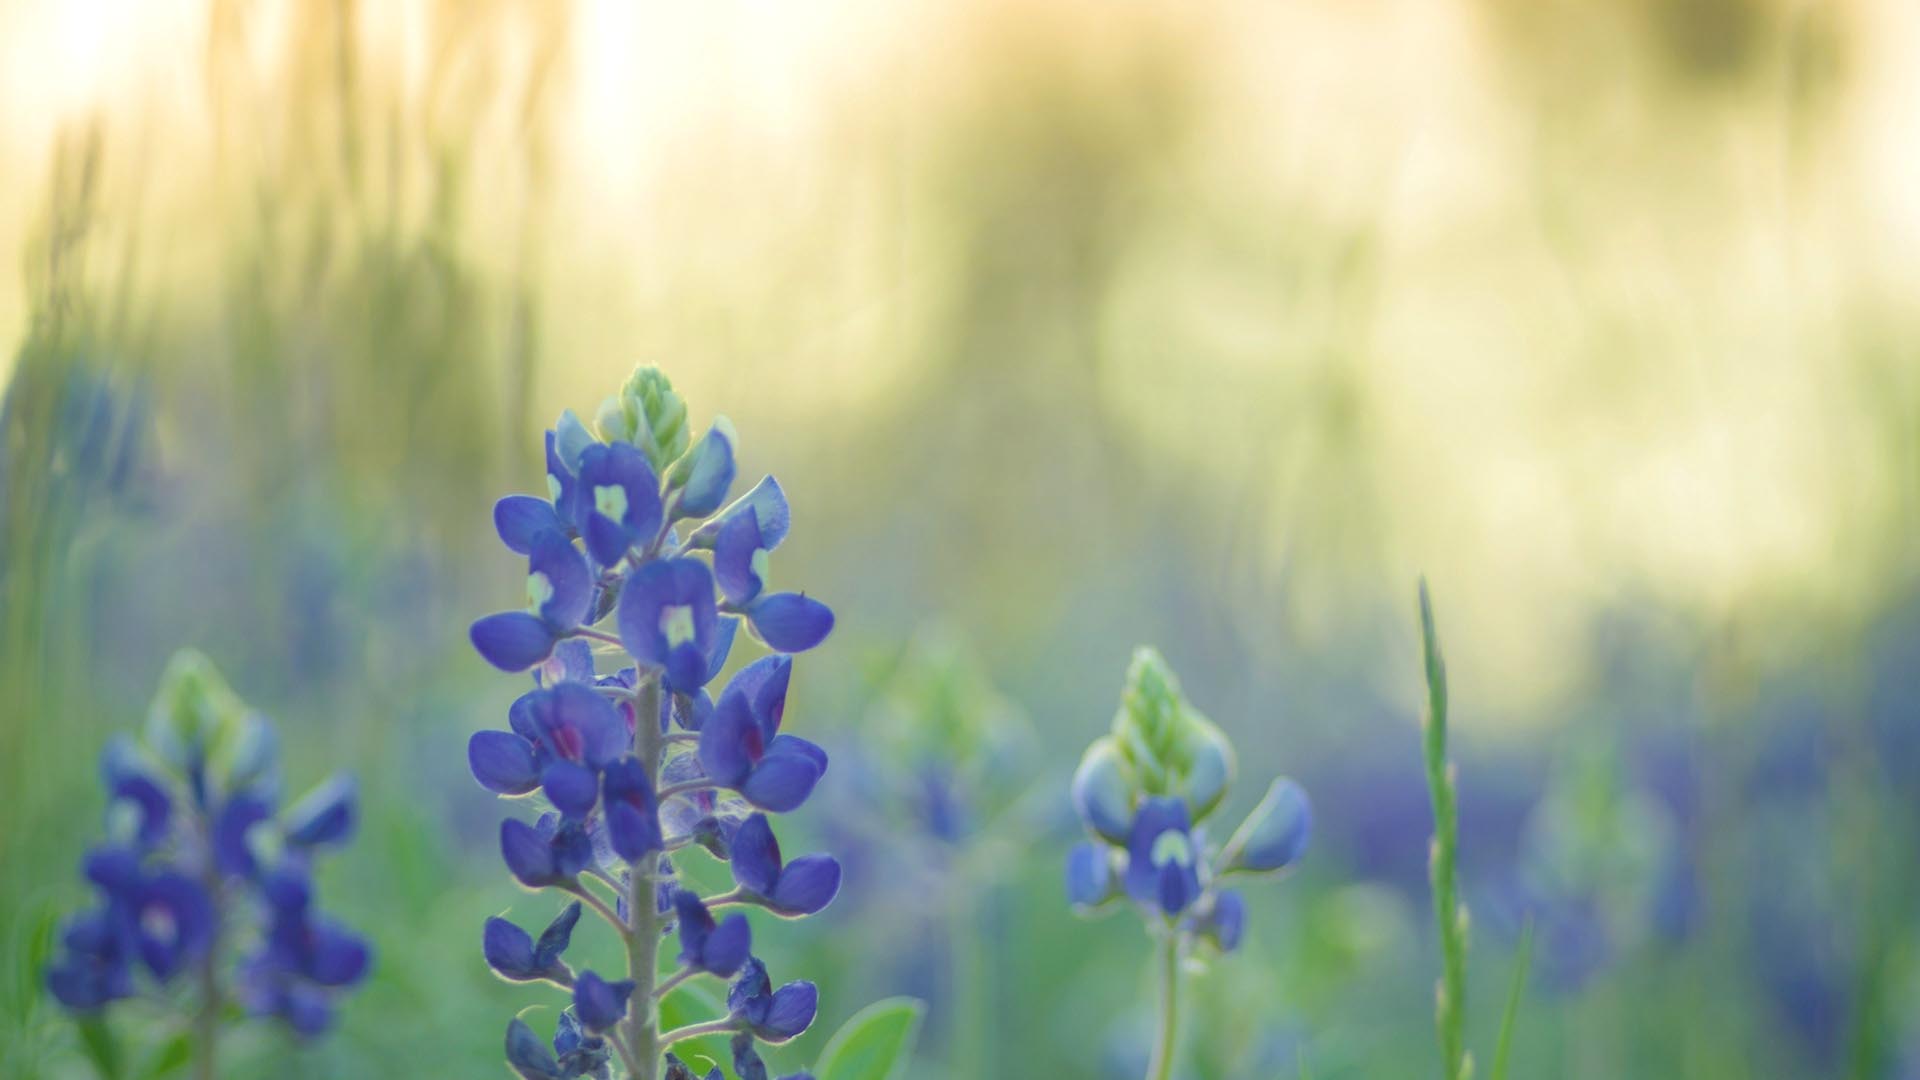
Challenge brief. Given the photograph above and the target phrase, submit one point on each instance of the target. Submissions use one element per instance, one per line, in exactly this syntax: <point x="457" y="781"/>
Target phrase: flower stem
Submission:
<point x="694" y="1031"/>
<point x="1160" y="1067"/>
<point x="643" y="933"/>
<point x="1450" y="915"/>
<point x="599" y="907"/>
<point x="206" y="1020"/>
<point x="667" y="984"/>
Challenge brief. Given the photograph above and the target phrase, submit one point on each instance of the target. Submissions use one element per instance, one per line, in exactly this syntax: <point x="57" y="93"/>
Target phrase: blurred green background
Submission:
<point x="1067" y="326"/>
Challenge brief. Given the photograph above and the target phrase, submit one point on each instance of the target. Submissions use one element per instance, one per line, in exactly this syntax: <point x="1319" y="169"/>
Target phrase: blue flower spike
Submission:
<point x="628" y="768"/>
<point x="1143" y="791"/>
<point x="198" y="850"/>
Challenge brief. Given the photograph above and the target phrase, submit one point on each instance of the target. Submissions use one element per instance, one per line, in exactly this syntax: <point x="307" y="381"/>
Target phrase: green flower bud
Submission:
<point x="648" y="414"/>
<point x="246" y="758"/>
<point x="194" y="712"/>
<point x="1171" y="747"/>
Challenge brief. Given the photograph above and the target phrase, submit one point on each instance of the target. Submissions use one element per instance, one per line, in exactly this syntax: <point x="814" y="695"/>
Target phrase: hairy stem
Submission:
<point x="694" y="1031"/>
<point x="1450" y="915"/>
<point x="206" y="1019"/>
<point x="643" y="932"/>
<point x="1160" y="1066"/>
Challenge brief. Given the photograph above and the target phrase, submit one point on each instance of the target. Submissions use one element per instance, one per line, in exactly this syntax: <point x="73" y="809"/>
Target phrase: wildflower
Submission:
<point x="598" y="1003"/>
<point x="197" y="851"/>
<point x="716" y="948"/>
<point x="513" y="954"/>
<point x="668" y="621"/>
<point x="619" y="502"/>
<point x="738" y="751"/>
<point x="559" y="597"/>
<point x="625" y="796"/>
<point x="549" y="852"/>
<point x="802" y="887"/>
<point x="1143" y="791"/>
<point x="772" y="1016"/>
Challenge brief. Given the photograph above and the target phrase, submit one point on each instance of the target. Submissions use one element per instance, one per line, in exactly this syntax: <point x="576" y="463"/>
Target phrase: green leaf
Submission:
<point x="173" y="1055"/>
<point x="1515" y="991"/>
<point x="96" y="1038"/>
<point x="874" y="1043"/>
<point x="40" y="937"/>
<point x="692" y="1004"/>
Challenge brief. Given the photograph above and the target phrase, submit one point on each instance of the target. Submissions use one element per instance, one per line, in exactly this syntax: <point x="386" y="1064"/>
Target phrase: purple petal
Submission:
<point x="730" y="741"/>
<point x="727" y="947"/>
<point x="795" y="745"/>
<point x="755" y="857"/>
<point x="781" y="782"/>
<point x="520" y="518"/>
<point x="806" y="885"/>
<point x="724" y="631"/>
<point x="572" y="788"/>
<point x="707" y="473"/>
<point x="528" y="854"/>
<point x="509" y="950"/>
<point x="792" y="1012"/>
<point x="768" y="505"/>
<point x="1089" y="875"/>
<point x="512" y="640"/>
<point x="568" y="576"/>
<point x="339" y="958"/>
<point x="325" y="815"/>
<point x="764" y="682"/>
<point x="791" y="622"/>
<point x="733" y="560"/>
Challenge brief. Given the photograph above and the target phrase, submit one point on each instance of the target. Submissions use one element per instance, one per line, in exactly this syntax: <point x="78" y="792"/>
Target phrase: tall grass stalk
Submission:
<point x="1450" y="914"/>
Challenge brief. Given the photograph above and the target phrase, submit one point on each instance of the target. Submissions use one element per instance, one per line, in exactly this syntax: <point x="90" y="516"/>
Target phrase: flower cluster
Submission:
<point x="1144" y="792"/>
<point x="202" y="874"/>
<point x="630" y="767"/>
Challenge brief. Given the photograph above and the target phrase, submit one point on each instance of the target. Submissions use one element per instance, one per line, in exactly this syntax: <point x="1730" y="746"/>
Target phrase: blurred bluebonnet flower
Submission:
<point x="197" y="853"/>
<point x="628" y="768"/>
<point x="1594" y="867"/>
<point x="1143" y="792"/>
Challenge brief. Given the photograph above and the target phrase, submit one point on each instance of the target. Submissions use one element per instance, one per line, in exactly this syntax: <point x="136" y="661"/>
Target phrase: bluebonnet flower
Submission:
<point x="716" y="948"/>
<point x="739" y="749"/>
<point x="771" y="1015"/>
<point x="514" y="955"/>
<point x="600" y="1004"/>
<point x="560" y="594"/>
<point x="1143" y="792"/>
<point x="801" y="887"/>
<point x="304" y="955"/>
<point x="549" y="852"/>
<point x="636" y="530"/>
<point x="198" y="852"/>
<point x="575" y="1052"/>
<point x="1163" y="867"/>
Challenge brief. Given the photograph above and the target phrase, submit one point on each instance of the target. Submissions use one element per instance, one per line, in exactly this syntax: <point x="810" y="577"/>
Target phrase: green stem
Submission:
<point x="1450" y="915"/>
<point x="643" y="934"/>
<point x="1160" y="1067"/>
<point x="206" y="1020"/>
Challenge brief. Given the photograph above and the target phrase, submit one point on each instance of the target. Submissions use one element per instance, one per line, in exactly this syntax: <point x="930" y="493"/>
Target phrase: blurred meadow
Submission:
<point x="1069" y="326"/>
